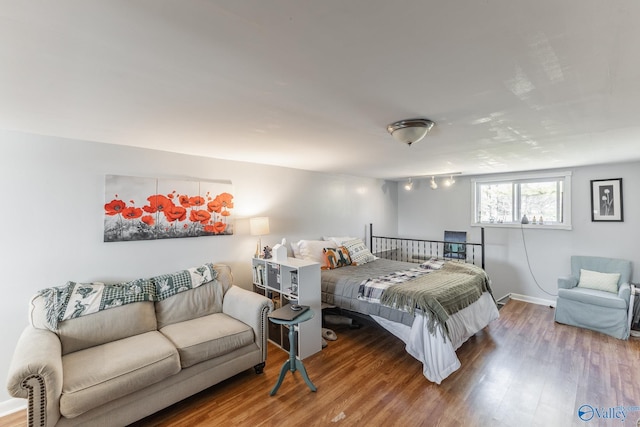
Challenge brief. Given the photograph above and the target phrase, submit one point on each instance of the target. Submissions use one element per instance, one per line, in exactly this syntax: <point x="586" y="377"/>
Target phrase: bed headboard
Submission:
<point x="420" y="250"/>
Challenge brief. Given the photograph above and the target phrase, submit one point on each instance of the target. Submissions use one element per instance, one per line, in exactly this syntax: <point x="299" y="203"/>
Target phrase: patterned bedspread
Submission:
<point x="442" y="293"/>
<point x="341" y="288"/>
<point x="371" y="290"/>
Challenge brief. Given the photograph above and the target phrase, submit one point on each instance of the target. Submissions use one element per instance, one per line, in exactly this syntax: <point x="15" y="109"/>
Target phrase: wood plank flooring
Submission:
<point x="522" y="370"/>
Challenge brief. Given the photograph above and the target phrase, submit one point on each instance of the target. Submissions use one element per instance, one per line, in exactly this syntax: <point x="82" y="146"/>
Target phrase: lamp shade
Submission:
<point x="259" y="226"/>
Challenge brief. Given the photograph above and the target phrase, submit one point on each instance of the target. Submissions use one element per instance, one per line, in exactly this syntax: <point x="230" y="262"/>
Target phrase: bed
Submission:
<point x="430" y="336"/>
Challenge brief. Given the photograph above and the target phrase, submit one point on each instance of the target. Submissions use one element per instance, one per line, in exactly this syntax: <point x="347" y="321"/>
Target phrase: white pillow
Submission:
<point x="311" y="250"/>
<point x="600" y="281"/>
<point x="295" y="248"/>
<point x="358" y="252"/>
<point x="340" y="239"/>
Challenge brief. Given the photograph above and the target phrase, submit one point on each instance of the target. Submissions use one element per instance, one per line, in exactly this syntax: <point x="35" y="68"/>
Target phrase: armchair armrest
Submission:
<point x="624" y="292"/>
<point x="567" y="282"/>
<point x="252" y="309"/>
<point x="35" y="373"/>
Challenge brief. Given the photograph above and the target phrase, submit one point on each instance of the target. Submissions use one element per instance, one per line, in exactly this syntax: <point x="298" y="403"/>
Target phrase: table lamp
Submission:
<point x="259" y="226"/>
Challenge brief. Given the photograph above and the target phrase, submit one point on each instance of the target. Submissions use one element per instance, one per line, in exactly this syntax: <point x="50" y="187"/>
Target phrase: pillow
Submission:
<point x="295" y="248"/>
<point x="600" y="281"/>
<point x="335" y="258"/>
<point x="340" y="239"/>
<point x="359" y="252"/>
<point x="311" y="250"/>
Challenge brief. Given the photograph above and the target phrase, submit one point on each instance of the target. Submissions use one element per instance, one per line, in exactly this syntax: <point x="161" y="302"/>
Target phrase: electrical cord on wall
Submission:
<point x="526" y="254"/>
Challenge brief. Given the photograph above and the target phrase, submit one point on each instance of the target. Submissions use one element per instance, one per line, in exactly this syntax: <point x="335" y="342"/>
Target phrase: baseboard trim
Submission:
<point x="12" y="405"/>
<point x="533" y="300"/>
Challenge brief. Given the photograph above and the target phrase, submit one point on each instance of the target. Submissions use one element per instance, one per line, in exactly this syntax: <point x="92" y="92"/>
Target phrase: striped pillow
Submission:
<point x="358" y="252"/>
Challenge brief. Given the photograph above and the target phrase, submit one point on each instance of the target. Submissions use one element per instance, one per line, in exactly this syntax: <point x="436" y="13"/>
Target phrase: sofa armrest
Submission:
<point x="35" y="373"/>
<point x="624" y="292"/>
<point x="567" y="282"/>
<point x="252" y="309"/>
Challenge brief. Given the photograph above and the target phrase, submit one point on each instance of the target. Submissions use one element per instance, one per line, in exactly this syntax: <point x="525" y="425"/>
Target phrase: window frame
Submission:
<point x="513" y="179"/>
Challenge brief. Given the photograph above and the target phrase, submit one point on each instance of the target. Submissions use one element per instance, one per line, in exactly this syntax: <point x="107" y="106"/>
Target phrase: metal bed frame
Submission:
<point x="420" y="250"/>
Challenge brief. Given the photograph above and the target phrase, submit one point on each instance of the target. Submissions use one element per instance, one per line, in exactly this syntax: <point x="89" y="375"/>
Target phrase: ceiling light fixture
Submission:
<point x="409" y="185"/>
<point x="410" y="130"/>
<point x="449" y="182"/>
<point x="433" y="184"/>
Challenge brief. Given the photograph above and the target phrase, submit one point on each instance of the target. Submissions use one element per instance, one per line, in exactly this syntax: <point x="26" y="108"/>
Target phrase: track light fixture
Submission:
<point x="433" y="184"/>
<point x="409" y="185"/>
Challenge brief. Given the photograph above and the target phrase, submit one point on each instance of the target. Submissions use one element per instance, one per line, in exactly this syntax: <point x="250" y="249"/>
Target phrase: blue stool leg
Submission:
<point x="303" y="371"/>
<point x="283" y="372"/>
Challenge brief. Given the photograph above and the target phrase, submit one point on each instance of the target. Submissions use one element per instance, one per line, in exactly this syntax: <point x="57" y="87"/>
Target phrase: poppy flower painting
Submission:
<point x="149" y="208"/>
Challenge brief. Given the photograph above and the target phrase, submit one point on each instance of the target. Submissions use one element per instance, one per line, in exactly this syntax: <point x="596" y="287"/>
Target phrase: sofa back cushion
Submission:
<point x="204" y="300"/>
<point x="98" y="328"/>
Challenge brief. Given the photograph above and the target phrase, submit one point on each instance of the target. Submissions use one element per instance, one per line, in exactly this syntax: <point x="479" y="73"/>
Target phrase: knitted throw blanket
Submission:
<point x="441" y="293"/>
<point x="79" y="299"/>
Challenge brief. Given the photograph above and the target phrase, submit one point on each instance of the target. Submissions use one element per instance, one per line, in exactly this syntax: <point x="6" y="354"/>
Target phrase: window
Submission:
<point x="503" y="201"/>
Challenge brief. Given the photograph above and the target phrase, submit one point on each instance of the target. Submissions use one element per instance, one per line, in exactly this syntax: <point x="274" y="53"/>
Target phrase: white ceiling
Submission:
<point x="311" y="84"/>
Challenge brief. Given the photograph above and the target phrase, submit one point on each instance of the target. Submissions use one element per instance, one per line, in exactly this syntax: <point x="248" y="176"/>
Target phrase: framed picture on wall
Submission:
<point x="606" y="200"/>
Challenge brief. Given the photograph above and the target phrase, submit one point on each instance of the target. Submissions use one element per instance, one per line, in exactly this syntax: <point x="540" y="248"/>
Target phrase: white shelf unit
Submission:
<point x="277" y="280"/>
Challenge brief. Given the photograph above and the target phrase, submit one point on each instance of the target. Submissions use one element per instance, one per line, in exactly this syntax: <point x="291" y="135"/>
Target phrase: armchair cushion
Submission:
<point x="593" y="297"/>
<point x="607" y="282"/>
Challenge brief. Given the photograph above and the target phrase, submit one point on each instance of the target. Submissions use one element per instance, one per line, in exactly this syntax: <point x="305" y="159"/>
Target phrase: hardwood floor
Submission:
<point x="522" y="370"/>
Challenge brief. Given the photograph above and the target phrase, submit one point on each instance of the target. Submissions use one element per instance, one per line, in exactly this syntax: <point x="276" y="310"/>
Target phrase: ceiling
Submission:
<point x="512" y="85"/>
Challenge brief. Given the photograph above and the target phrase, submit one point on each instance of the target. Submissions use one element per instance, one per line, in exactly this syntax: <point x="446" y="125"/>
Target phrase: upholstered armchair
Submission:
<point x="596" y="295"/>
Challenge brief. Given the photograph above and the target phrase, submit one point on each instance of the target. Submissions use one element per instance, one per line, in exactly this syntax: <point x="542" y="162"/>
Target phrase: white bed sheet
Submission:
<point x="436" y="352"/>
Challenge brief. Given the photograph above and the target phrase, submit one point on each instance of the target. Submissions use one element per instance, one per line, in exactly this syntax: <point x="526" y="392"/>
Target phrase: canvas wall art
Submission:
<point x="138" y="208"/>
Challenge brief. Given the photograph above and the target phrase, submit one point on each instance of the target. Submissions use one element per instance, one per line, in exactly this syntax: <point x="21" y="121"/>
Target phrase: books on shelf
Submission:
<point x="259" y="275"/>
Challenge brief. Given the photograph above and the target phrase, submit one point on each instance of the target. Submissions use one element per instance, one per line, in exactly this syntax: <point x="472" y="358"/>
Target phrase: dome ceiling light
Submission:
<point x="410" y="131"/>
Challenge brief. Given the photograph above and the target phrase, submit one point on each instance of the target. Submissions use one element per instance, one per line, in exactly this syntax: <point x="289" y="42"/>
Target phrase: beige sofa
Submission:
<point x="118" y="365"/>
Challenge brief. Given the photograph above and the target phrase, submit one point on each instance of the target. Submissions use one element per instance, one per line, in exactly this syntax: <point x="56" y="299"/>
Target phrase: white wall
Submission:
<point x="52" y="217"/>
<point x="425" y="213"/>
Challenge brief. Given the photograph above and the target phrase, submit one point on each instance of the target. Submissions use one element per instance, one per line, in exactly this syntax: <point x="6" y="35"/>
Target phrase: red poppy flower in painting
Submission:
<point x="157" y="203"/>
<point x="131" y="213"/>
<point x="226" y="199"/>
<point x="200" y="216"/>
<point x="184" y="200"/>
<point x="114" y="207"/>
<point x="148" y="219"/>
<point x="196" y="201"/>
<point x="209" y="228"/>
<point x="214" y="206"/>
<point x="222" y="202"/>
<point x="219" y="227"/>
<point x="175" y="213"/>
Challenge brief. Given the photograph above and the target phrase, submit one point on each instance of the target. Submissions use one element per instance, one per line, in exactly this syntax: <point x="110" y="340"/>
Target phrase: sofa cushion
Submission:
<point x="98" y="328"/>
<point x="201" y="301"/>
<point x="103" y="373"/>
<point x="208" y="337"/>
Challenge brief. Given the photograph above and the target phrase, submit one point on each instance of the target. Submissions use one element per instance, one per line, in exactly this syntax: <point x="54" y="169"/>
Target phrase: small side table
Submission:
<point x="293" y="364"/>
